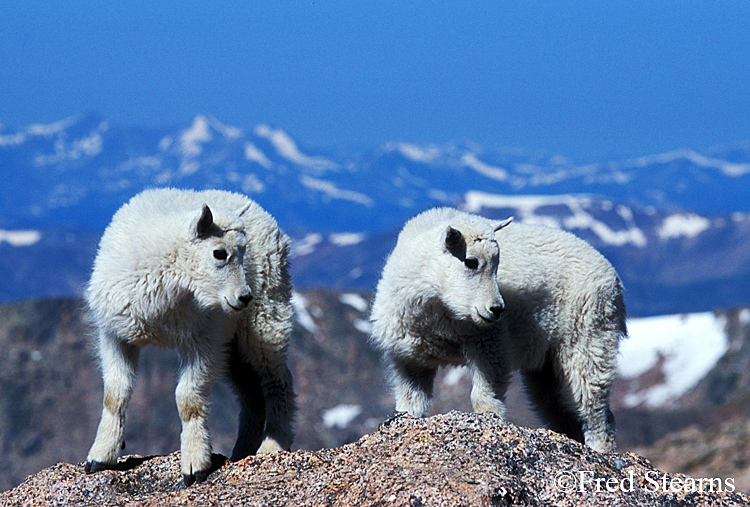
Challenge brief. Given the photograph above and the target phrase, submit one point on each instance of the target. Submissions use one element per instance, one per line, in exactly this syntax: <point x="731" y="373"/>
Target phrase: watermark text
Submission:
<point x="586" y="481"/>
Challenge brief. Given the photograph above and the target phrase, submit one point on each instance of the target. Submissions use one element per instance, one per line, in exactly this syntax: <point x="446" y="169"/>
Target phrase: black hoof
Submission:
<point x="197" y="477"/>
<point x="217" y="461"/>
<point x="96" y="466"/>
<point x="392" y="417"/>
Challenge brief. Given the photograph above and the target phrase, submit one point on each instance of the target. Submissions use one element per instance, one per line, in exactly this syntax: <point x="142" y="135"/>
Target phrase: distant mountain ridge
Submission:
<point x="79" y="170"/>
<point x="676" y="225"/>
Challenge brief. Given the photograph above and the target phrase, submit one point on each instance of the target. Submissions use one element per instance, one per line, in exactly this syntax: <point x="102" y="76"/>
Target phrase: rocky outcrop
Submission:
<point x="722" y="450"/>
<point x="452" y="459"/>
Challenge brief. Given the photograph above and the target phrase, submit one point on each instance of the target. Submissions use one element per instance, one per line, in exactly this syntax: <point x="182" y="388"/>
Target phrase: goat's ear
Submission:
<point x="241" y="211"/>
<point x="200" y="226"/>
<point x="500" y="225"/>
<point x="453" y="238"/>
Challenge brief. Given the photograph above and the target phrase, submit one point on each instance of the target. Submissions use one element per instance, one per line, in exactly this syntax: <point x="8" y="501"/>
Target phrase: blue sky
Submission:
<point x="587" y="79"/>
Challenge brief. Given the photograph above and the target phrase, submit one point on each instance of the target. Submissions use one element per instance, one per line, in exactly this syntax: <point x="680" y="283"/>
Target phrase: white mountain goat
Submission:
<point x="458" y="289"/>
<point x="205" y="273"/>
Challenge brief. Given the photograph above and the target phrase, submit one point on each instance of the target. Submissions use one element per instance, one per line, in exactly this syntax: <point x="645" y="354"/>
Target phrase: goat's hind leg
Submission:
<point x="278" y="391"/>
<point x="572" y="404"/>
<point x="553" y="401"/>
<point x="119" y="361"/>
<point x="246" y="382"/>
<point x="412" y="385"/>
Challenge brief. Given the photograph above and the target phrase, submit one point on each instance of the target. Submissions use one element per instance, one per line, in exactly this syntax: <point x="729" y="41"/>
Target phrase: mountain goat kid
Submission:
<point x="458" y="289"/>
<point x="205" y="273"/>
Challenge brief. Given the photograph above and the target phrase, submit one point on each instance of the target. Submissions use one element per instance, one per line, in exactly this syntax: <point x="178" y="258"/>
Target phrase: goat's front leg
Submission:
<point x="196" y="377"/>
<point x="490" y="377"/>
<point x="119" y="361"/>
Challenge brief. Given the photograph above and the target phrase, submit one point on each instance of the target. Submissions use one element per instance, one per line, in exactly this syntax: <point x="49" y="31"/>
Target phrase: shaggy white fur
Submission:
<point x="439" y="302"/>
<point x="205" y="273"/>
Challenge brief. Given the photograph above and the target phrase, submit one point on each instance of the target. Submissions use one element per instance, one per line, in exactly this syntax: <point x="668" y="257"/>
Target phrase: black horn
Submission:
<point x="453" y="238"/>
<point x="205" y="222"/>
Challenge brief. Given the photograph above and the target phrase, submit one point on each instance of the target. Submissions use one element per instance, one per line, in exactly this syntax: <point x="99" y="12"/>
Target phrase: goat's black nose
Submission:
<point x="497" y="310"/>
<point x="245" y="300"/>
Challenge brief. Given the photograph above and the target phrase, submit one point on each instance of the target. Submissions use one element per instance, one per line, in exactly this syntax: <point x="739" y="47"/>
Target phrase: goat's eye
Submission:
<point x="472" y="263"/>
<point x="221" y="254"/>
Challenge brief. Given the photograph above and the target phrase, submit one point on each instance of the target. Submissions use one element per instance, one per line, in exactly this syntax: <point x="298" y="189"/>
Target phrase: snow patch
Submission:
<point x="330" y="191"/>
<point x="188" y="167"/>
<point x="346" y="238"/>
<point x="228" y="131"/>
<point x="454" y="374"/>
<point x="16" y="139"/>
<point x="526" y="205"/>
<point x="304" y="318"/>
<point x="472" y="162"/>
<point x="688" y="225"/>
<point x="440" y="196"/>
<point x="340" y="416"/>
<point x="355" y="301"/>
<point x="744" y="317"/>
<point x="166" y="143"/>
<point x="689" y="345"/>
<point x="252" y="185"/>
<point x="728" y="168"/>
<point x="526" y="208"/>
<point x="192" y="138"/>
<point x="624" y="212"/>
<point x="253" y="154"/>
<point x="421" y="154"/>
<point x="363" y="326"/>
<point x="306" y="245"/>
<point x="287" y="148"/>
<point x="51" y="129"/>
<point x="91" y="145"/>
<point x="142" y="165"/>
<point x="87" y="146"/>
<point x="20" y="238"/>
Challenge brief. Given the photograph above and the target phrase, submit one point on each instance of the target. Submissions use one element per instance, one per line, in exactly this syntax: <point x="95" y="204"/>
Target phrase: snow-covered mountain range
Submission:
<point x="675" y="225"/>
<point x="79" y="170"/>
